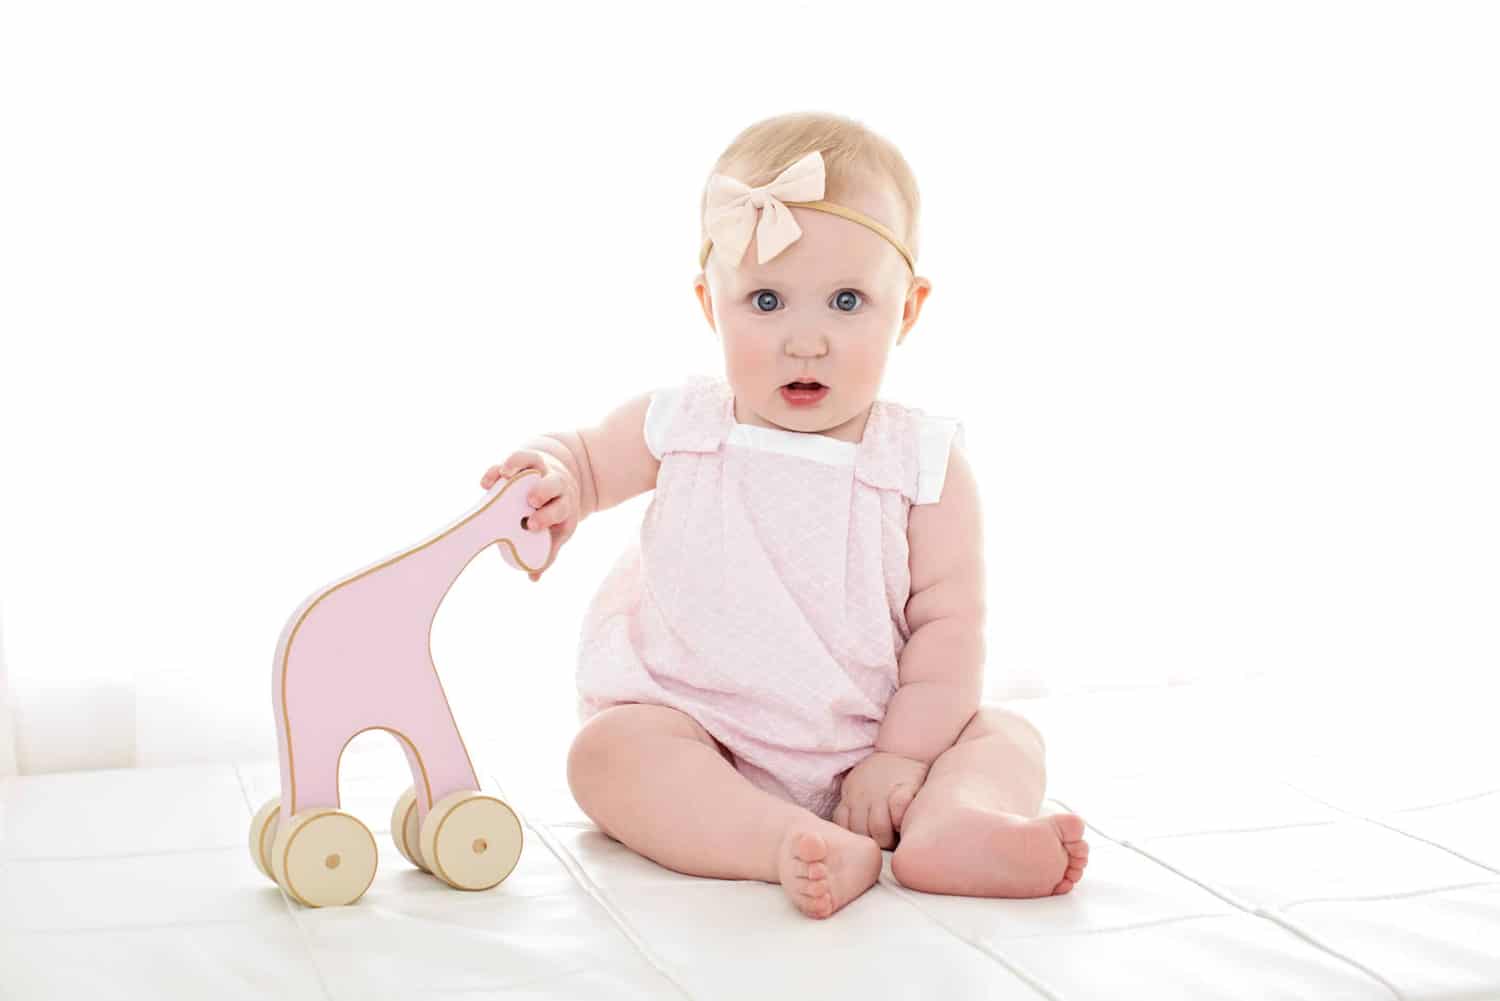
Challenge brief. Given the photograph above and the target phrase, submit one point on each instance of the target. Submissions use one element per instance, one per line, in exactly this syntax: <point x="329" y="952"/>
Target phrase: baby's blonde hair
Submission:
<point x="851" y="153"/>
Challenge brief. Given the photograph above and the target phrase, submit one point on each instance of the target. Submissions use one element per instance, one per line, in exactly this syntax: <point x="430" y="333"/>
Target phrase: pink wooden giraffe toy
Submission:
<point x="356" y="656"/>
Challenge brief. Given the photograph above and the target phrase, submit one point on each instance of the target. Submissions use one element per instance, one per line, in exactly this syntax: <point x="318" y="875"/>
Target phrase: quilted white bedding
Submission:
<point x="1252" y="840"/>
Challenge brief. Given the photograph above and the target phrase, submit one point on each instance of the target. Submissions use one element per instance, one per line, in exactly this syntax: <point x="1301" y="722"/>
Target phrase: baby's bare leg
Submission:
<point x="973" y="828"/>
<point x="655" y="779"/>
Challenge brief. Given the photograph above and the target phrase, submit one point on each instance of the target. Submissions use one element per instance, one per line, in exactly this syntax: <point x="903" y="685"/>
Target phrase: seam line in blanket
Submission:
<point x="1390" y="896"/>
<point x="1444" y="802"/>
<point x="286" y="900"/>
<point x="1262" y="913"/>
<point x="144" y="926"/>
<point x="119" y="855"/>
<point x="580" y="876"/>
<point x="1109" y="929"/>
<point x="1026" y="978"/>
<point x="1283" y="921"/>
<point x="1390" y="827"/>
<point x="1241" y="830"/>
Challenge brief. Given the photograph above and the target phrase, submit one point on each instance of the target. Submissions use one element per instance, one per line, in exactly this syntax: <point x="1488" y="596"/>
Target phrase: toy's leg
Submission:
<point x="440" y="762"/>
<point x="413" y="761"/>
<point x="469" y="839"/>
<point x="313" y="766"/>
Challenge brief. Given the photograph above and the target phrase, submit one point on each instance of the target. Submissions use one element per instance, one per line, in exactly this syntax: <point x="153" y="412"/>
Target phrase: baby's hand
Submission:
<point x="555" y="496"/>
<point x="876" y="793"/>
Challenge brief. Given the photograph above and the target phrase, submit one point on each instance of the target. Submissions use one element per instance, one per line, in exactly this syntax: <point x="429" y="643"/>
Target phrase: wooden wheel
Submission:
<point x="324" y="858"/>
<point x="263" y="835"/>
<point x="471" y="840"/>
<point x="405" y="830"/>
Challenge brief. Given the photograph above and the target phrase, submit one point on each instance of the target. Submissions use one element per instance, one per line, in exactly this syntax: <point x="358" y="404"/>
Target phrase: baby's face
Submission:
<point x="827" y="308"/>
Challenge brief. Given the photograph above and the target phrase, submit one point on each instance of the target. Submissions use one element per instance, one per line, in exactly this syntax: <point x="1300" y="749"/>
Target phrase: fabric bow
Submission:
<point x="732" y="205"/>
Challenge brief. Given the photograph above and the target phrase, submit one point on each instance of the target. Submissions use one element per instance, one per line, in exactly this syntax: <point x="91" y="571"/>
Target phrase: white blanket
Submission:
<point x="1248" y="841"/>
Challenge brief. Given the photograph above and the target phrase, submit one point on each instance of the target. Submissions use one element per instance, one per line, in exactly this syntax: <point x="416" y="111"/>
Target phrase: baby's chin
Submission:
<point x="818" y="416"/>
<point x="825" y="417"/>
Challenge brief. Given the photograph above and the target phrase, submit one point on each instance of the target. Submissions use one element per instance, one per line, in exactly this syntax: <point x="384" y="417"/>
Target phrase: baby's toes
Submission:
<point x="1078" y="858"/>
<point x="815" y="897"/>
<point x="817" y="884"/>
<point x="820" y="906"/>
<point x="1069" y="827"/>
<point x="810" y="848"/>
<point x="812" y="893"/>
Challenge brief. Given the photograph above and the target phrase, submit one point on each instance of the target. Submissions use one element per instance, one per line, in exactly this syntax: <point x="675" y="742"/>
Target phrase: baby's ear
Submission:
<point x="705" y="299"/>
<point x="915" y="297"/>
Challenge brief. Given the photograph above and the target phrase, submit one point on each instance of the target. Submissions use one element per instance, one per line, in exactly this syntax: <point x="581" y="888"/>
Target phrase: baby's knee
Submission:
<point x="613" y="738"/>
<point x="993" y="720"/>
<point x="597" y="745"/>
<point x="592" y="746"/>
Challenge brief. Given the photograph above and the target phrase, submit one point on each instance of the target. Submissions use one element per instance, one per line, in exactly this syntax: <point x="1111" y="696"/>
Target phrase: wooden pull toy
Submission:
<point x="356" y="656"/>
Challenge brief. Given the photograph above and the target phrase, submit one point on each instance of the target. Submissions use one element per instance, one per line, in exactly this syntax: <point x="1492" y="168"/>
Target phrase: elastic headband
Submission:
<point x="731" y="212"/>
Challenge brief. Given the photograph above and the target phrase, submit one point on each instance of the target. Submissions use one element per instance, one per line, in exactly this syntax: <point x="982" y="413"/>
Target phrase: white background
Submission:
<point x="1215" y="295"/>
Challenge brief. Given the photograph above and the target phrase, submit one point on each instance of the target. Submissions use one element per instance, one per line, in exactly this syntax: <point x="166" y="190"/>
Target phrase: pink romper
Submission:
<point x="767" y="595"/>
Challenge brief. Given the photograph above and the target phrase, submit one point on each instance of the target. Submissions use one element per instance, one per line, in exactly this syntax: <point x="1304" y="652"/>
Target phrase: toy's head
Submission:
<point x="523" y="547"/>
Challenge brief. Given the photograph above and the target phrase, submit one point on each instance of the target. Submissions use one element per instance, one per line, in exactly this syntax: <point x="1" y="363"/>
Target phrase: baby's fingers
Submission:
<point x="858" y="818"/>
<point x="526" y="458"/>
<point x="554" y="512"/>
<point x="900" y="799"/>
<point x="880" y="824"/>
<point x="544" y="490"/>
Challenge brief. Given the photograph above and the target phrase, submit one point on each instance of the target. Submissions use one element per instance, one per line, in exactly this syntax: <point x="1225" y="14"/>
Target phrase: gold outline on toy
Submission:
<point x="285" y="710"/>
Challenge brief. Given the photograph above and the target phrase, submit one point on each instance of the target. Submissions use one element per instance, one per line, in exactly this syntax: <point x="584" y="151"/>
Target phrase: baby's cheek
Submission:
<point x="863" y="362"/>
<point x="748" y="360"/>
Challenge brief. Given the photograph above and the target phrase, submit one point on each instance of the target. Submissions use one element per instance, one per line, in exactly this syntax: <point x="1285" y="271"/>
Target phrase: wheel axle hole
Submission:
<point x="480" y="846"/>
<point x="332" y="861"/>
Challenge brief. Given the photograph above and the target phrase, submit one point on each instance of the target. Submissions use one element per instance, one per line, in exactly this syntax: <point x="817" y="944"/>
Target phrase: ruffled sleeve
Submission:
<point x="692" y="416"/>
<point x="665" y="402"/>
<point x="937" y="436"/>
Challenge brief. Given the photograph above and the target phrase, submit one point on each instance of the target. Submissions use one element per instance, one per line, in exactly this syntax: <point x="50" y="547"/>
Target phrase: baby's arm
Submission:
<point x="942" y="664"/>
<point x="610" y="460"/>
<point x="583" y="471"/>
<point x="619" y="463"/>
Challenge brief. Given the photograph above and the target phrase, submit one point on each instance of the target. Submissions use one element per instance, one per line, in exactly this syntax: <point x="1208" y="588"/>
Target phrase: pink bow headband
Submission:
<point x="730" y="214"/>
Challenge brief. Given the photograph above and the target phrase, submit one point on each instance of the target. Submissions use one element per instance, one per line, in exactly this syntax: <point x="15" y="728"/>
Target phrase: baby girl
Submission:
<point x="783" y="677"/>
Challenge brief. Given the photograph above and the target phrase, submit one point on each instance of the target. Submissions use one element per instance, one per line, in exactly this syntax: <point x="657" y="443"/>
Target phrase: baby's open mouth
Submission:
<point x="804" y="385"/>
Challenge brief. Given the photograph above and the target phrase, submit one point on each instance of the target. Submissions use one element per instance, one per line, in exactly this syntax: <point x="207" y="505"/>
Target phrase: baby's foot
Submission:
<point x="975" y="852"/>
<point x="823" y="868"/>
<point x="1071" y="825"/>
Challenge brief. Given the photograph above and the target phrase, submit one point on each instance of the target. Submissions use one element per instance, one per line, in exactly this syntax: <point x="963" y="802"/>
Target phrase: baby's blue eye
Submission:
<point x="845" y="301"/>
